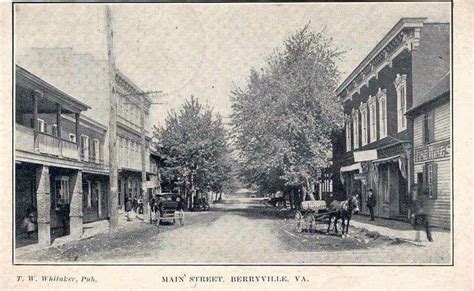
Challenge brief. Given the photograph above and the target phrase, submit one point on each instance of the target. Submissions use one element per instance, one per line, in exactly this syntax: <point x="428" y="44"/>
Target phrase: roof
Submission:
<point x="399" y="26"/>
<point x="52" y="93"/>
<point x="441" y="89"/>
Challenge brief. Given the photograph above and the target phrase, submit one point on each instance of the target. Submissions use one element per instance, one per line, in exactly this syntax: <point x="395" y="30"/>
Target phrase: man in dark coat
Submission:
<point x="371" y="202"/>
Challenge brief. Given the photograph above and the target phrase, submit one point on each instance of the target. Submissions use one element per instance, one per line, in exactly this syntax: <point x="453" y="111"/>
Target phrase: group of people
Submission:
<point x="135" y="204"/>
<point x="417" y="214"/>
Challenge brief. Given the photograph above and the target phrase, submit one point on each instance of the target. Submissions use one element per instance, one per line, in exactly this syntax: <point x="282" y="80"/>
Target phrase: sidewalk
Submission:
<point x="402" y="230"/>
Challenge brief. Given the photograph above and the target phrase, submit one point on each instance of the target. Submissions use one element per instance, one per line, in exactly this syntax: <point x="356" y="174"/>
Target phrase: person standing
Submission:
<point x="371" y="202"/>
<point x="418" y="215"/>
<point x="128" y="207"/>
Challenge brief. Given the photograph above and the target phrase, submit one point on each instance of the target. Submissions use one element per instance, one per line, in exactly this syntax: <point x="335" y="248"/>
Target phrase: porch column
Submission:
<point x="37" y="94"/>
<point x="59" y="119"/>
<point x="76" y="129"/>
<point x="43" y="200"/>
<point x="76" y="214"/>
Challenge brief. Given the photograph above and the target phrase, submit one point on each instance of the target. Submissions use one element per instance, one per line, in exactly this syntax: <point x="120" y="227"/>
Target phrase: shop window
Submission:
<point x="60" y="192"/>
<point x="428" y="127"/>
<point x="430" y="176"/>
<point x="401" y="88"/>
<point x="355" y="120"/>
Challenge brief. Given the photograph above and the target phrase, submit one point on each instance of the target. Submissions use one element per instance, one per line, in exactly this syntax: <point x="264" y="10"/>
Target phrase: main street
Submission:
<point x="239" y="231"/>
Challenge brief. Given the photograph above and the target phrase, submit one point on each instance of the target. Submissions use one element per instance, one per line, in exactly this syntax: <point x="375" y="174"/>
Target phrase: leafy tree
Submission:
<point x="283" y="118"/>
<point x="194" y="149"/>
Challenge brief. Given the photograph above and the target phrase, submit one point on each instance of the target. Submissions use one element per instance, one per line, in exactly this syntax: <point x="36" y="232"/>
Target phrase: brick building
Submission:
<point x="408" y="61"/>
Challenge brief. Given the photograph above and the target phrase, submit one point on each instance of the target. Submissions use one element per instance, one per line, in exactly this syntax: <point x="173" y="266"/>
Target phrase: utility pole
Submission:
<point x="113" y="161"/>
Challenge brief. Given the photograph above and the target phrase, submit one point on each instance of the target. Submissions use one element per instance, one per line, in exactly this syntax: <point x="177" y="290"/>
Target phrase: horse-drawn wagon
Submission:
<point x="310" y="213"/>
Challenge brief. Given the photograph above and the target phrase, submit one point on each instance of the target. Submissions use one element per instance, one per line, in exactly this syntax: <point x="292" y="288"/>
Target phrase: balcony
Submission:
<point x="43" y="143"/>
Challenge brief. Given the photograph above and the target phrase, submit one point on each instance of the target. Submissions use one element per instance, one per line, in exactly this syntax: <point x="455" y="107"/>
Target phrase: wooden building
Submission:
<point x="432" y="150"/>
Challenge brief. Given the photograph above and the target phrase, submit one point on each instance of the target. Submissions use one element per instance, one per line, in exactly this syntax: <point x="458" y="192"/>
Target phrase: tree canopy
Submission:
<point x="282" y="120"/>
<point x="193" y="140"/>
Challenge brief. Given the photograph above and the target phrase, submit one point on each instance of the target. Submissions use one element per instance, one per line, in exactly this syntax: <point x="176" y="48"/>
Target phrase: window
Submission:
<point x="348" y="133"/>
<point x="60" y="192"/>
<point x="382" y="100"/>
<point x="355" y="120"/>
<point x="96" y="150"/>
<point x="85" y="147"/>
<point x="72" y="137"/>
<point x="373" y="118"/>
<point x="41" y="125"/>
<point x="363" y="116"/>
<point x="428" y="127"/>
<point x="430" y="177"/>
<point x="400" y="85"/>
<point x="55" y="129"/>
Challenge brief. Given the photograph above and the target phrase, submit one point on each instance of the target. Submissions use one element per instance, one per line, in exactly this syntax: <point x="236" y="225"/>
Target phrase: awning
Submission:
<point x="353" y="167"/>
<point x="400" y="159"/>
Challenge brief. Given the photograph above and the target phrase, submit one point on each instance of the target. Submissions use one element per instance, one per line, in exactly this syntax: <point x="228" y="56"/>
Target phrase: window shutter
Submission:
<point x="431" y="126"/>
<point x="434" y="190"/>
<point x="425" y="179"/>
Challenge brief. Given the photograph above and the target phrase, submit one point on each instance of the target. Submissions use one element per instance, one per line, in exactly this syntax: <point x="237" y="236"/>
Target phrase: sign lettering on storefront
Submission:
<point x="360" y="176"/>
<point x="433" y="152"/>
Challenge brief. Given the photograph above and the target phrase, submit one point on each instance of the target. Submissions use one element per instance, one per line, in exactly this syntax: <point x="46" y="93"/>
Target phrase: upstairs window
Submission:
<point x="428" y="127"/>
<point x="72" y="137"/>
<point x="96" y="151"/>
<point x="355" y="121"/>
<point x="373" y="118"/>
<point x="85" y="147"/>
<point x="382" y="100"/>
<point x="363" y="116"/>
<point x="55" y="129"/>
<point x="41" y="125"/>
<point x="348" y="134"/>
<point x="401" y="88"/>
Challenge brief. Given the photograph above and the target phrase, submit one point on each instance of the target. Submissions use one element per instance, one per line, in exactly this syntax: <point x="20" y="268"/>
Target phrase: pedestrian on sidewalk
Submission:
<point x="371" y="202"/>
<point x="128" y="207"/>
<point x="417" y="213"/>
<point x="29" y="222"/>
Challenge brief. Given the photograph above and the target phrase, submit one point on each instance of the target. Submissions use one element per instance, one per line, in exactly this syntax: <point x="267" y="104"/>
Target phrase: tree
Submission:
<point x="193" y="146"/>
<point x="283" y="119"/>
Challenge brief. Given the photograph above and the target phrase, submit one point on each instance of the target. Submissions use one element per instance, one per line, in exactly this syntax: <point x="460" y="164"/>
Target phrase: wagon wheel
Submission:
<point x="299" y="221"/>
<point x="311" y="221"/>
<point x="181" y="217"/>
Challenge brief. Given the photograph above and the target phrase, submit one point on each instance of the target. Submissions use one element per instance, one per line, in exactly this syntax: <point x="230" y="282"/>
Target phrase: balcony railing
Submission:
<point x="27" y="140"/>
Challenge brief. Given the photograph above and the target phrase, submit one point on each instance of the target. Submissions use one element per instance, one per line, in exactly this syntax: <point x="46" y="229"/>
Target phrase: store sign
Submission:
<point x="433" y="152"/>
<point x="360" y="176"/>
<point x="363" y="156"/>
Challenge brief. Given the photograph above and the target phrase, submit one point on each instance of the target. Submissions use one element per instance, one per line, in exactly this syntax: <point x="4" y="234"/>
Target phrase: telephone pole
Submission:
<point x="113" y="161"/>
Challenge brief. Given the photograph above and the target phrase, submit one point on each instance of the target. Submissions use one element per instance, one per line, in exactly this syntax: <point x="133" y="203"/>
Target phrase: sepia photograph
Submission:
<point x="257" y="134"/>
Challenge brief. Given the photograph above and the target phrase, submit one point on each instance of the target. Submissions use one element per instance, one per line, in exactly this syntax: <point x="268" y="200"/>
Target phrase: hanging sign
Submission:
<point x="360" y="176"/>
<point x="431" y="152"/>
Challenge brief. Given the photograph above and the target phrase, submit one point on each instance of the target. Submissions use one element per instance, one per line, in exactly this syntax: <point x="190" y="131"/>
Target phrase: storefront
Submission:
<point x="95" y="197"/>
<point x="385" y="171"/>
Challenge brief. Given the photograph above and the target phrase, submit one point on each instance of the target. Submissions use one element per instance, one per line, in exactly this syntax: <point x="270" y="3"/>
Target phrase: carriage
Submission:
<point x="168" y="207"/>
<point x="311" y="213"/>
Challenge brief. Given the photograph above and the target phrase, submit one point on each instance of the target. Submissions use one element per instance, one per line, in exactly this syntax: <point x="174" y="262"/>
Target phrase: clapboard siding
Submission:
<point x="439" y="208"/>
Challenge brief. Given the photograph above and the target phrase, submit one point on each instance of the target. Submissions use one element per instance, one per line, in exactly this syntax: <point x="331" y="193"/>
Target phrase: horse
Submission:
<point x="343" y="210"/>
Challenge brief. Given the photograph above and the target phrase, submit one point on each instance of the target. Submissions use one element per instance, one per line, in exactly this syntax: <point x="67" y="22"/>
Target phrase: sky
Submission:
<point x="206" y="50"/>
